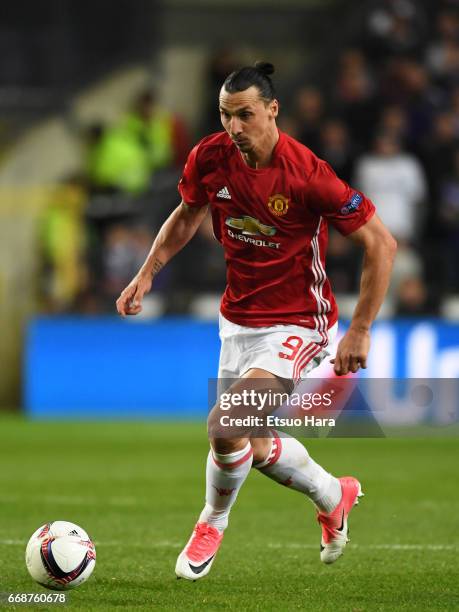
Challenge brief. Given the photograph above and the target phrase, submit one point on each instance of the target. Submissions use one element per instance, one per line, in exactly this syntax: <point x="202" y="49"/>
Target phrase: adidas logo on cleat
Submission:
<point x="224" y="193"/>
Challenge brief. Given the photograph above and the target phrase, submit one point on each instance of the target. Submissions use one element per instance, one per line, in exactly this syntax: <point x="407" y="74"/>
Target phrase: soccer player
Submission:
<point x="271" y="201"/>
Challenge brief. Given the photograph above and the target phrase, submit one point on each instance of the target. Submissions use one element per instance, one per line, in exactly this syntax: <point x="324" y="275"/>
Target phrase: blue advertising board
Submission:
<point x="107" y="368"/>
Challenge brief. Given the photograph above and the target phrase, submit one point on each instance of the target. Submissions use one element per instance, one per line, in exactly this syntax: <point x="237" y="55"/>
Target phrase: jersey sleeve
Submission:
<point x="190" y="185"/>
<point x="347" y="209"/>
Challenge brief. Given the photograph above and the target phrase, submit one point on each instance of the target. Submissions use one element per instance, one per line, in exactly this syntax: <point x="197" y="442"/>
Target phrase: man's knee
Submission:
<point x="261" y="448"/>
<point x="224" y="440"/>
<point x="226" y="446"/>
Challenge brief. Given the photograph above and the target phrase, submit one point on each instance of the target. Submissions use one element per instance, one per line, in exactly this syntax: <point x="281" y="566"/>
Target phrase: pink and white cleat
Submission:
<point x="196" y="558"/>
<point x="334" y="525"/>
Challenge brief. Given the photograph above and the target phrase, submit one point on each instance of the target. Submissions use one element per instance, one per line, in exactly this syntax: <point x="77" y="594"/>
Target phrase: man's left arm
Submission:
<point x="379" y="252"/>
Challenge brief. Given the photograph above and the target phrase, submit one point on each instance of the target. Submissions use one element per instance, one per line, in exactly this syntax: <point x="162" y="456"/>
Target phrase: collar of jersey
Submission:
<point x="274" y="156"/>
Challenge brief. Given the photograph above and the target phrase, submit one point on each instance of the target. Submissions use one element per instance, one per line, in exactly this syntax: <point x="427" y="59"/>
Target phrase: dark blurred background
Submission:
<point x="100" y="103"/>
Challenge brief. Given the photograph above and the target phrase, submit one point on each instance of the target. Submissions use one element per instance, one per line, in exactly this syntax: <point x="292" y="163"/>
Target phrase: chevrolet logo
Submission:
<point x="250" y="226"/>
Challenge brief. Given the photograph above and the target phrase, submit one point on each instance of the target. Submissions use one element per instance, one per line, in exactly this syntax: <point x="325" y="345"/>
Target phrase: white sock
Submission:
<point x="225" y="475"/>
<point x="289" y="464"/>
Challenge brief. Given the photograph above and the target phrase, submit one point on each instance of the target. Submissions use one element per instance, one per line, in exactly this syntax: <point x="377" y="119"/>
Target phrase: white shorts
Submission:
<point x="288" y="351"/>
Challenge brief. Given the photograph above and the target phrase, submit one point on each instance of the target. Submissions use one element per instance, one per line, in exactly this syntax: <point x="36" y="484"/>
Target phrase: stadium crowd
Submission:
<point x="386" y="118"/>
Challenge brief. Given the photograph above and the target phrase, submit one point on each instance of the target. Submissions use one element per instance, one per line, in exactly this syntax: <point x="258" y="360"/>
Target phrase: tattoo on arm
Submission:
<point x="157" y="265"/>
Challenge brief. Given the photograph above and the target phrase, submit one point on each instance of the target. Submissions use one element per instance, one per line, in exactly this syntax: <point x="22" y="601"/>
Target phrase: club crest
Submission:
<point x="278" y="204"/>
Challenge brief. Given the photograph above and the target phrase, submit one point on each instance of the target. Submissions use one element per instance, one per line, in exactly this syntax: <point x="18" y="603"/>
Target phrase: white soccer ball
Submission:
<point x="60" y="555"/>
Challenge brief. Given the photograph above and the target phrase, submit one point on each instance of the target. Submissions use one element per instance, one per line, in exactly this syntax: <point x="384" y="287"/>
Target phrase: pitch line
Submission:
<point x="431" y="547"/>
<point x="75" y="500"/>
<point x="276" y="545"/>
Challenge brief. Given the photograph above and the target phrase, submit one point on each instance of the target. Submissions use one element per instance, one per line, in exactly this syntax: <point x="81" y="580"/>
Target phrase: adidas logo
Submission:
<point x="224" y="193"/>
<point x="73" y="532"/>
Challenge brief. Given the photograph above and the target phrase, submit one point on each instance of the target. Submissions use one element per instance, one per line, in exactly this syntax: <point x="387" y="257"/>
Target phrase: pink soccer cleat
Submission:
<point x="196" y="558"/>
<point x="334" y="525"/>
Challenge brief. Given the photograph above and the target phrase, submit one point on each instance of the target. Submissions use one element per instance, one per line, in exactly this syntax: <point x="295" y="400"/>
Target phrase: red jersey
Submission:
<point x="273" y="225"/>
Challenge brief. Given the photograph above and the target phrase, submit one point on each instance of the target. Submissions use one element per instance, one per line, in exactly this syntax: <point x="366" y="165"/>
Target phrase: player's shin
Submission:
<point x="225" y="476"/>
<point x="289" y="464"/>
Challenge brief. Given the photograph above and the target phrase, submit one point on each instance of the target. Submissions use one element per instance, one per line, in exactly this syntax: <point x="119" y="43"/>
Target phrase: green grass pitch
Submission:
<point x="137" y="488"/>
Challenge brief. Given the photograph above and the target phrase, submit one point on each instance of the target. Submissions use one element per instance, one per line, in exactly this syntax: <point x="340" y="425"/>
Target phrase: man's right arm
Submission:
<point x="175" y="233"/>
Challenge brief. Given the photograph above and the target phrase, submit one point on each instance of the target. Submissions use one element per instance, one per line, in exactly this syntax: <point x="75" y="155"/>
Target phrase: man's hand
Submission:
<point x="352" y="352"/>
<point x="130" y="300"/>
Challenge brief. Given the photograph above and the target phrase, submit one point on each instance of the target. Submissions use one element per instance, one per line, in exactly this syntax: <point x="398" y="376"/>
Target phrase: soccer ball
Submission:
<point x="60" y="555"/>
